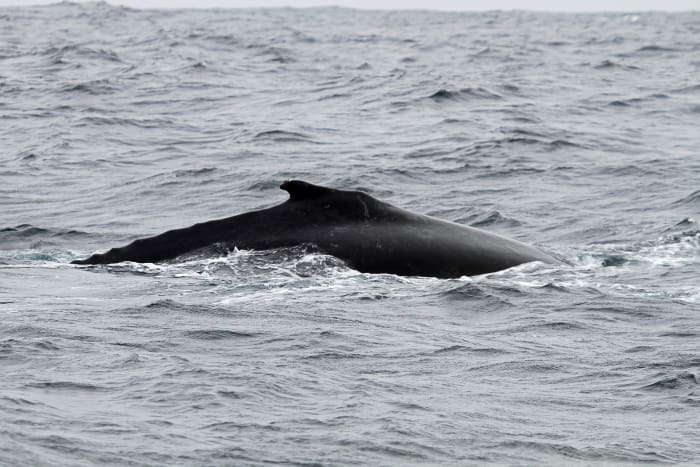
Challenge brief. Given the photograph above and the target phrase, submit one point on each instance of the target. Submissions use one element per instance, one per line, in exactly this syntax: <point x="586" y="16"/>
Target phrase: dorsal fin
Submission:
<point x="299" y="190"/>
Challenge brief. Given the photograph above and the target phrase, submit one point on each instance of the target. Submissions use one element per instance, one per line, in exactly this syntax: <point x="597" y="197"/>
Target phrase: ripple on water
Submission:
<point x="119" y="121"/>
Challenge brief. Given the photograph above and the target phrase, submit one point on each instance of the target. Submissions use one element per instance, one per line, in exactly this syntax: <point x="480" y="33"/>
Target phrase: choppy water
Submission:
<point x="579" y="133"/>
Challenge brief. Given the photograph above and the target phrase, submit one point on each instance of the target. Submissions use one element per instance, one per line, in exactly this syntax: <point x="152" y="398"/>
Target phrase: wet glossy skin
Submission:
<point x="368" y="234"/>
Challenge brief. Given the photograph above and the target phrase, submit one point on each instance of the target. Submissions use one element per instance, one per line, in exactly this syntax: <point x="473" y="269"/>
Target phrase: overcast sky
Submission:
<point x="547" y="5"/>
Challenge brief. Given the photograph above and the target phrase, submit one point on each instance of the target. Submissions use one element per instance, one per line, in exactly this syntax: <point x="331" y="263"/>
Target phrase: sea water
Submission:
<point x="579" y="133"/>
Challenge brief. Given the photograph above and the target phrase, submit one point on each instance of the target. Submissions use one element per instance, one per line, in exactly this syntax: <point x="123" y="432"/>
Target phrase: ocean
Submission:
<point x="578" y="133"/>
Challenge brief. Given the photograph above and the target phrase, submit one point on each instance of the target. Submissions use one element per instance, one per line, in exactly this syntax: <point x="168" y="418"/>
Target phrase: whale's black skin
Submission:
<point x="369" y="235"/>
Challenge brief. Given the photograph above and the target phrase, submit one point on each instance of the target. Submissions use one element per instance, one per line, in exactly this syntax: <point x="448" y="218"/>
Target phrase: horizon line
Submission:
<point x="272" y="4"/>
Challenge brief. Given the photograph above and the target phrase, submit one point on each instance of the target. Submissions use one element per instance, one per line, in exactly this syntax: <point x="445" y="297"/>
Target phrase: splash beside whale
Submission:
<point x="367" y="234"/>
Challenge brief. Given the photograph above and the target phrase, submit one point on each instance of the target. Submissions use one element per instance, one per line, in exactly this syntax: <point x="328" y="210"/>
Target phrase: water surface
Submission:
<point x="574" y="132"/>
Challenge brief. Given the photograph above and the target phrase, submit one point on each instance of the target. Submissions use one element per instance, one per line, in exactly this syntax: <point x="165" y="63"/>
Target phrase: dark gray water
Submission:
<point x="578" y="133"/>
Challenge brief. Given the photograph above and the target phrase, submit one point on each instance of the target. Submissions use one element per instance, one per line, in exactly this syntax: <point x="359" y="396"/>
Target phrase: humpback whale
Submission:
<point x="369" y="235"/>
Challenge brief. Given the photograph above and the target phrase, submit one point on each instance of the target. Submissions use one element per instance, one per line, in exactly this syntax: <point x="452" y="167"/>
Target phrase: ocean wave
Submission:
<point x="690" y="89"/>
<point x="469" y="349"/>
<point x="217" y="334"/>
<point x="489" y="218"/>
<point x="676" y="247"/>
<point x="76" y="52"/>
<point x="656" y="48"/>
<point x="96" y="87"/>
<point x="464" y="93"/>
<point x="24" y="235"/>
<point x="282" y="136"/>
<point x="692" y="198"/>
<point x="683" y="380"/>
<point x="609" y="64"/>
<point x="67" y="386"/>
<point x="486" y="299"/>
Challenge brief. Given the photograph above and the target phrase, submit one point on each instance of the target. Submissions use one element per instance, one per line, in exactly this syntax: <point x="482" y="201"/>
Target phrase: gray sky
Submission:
<point x="547" y="5"/>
